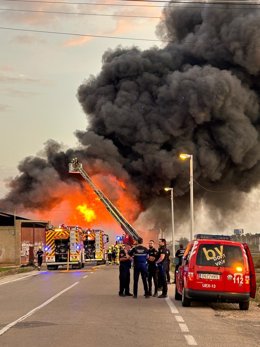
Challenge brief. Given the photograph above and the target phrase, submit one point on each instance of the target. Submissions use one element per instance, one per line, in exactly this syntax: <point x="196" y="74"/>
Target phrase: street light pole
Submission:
<point x="172" y="210"/>
<point x="183" y="157"/>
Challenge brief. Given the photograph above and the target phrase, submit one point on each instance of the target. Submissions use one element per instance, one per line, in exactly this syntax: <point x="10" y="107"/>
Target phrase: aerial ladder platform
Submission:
<point x="76" y="167"/>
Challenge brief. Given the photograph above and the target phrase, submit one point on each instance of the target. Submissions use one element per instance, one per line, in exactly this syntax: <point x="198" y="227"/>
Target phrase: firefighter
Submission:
<point x="109" y="255"/>
<point x="39" y="257"/>
<point x="124" y="272"/>
<point x="161" y="264"/>
<point x="140" y="255"/>
<point x="152" y="269"/>
<point x="114" y="255"/>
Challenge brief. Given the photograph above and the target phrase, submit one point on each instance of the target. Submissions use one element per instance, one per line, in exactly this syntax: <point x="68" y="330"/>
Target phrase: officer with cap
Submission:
<point x="124" y="272"/>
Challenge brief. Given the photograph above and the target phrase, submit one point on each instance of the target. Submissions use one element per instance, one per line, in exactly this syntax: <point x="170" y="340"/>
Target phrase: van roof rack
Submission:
<point x="211" y="237"/>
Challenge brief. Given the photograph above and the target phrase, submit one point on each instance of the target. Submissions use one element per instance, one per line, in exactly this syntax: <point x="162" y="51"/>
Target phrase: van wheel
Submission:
<point x="184" y="300"/>
<point x="177" y="294"/>
<point x="244" y="305"/>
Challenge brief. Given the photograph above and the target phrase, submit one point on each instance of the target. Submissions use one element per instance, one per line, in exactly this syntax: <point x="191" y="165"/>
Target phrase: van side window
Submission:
<point x="219" y="255"/>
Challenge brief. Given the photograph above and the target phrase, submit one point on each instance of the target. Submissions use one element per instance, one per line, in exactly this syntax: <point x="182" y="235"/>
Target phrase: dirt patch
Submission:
<point x="232" y="311"/>
<point x="15" y="270"/>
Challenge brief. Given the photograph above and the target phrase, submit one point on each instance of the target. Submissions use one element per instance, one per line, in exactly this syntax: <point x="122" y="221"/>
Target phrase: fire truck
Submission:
<point x="64" y="246"/>
<point x="94" y="245"/>
<point x="75" y="167"/>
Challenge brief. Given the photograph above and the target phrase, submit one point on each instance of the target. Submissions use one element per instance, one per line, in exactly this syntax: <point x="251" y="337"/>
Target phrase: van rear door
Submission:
<point x="220" y="267"/>
<point x="251" y="270"/>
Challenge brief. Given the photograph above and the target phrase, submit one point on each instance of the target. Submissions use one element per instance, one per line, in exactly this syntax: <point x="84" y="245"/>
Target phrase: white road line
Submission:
<point x="20" y="278"/>
<point x="183" y="327"/>
<point x="85" y="276"/>
<point x="10" y="325"/>
<point x="190" y="340"/>
<point x="179" y="319"/>
<point x="171" y="305"/>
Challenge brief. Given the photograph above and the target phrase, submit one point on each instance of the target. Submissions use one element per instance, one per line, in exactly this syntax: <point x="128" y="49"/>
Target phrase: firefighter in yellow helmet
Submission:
<point x="109" y="255"/>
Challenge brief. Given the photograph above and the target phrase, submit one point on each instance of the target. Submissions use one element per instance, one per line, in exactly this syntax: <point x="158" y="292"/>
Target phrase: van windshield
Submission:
<point x="219" y="255"/>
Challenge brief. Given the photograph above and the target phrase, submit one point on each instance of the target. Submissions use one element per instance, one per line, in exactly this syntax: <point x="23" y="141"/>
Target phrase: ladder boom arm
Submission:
<point x="76" y="167"/>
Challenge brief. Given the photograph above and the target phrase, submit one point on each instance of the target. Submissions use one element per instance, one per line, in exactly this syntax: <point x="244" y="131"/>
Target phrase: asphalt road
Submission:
<point x="82" y="308"/>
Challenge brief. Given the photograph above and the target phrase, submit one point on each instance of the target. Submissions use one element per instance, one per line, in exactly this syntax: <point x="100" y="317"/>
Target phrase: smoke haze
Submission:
<point x="199" y="94"/>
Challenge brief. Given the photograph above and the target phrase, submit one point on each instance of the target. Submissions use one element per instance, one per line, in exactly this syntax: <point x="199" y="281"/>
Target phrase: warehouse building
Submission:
<point x="20" y="238"/>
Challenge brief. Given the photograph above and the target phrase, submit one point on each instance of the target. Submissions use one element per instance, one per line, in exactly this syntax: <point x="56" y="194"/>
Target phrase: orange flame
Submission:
<point x="81" y="206"/>
<point x="88" y="213"/>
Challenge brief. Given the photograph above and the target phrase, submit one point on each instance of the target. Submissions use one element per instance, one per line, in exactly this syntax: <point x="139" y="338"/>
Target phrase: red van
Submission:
<point x="215" y="268"/>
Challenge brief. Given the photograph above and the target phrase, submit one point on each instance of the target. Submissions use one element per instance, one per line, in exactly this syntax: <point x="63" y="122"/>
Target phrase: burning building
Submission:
<point x="198" y="94"/>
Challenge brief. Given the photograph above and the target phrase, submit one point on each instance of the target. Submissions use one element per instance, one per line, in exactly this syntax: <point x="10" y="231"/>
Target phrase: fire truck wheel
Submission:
<point x="52" y="267"/>
<point x="184" y="300"/>
<point x="244" y="306"/>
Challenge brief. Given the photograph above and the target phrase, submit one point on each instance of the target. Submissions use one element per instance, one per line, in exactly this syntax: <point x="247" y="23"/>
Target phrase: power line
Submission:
<point x="79" y="13"/>
<point x="87" y="3"/>
<point x="211" y="191"/>
<point x="82" y="35"/>
<point x="171" y="2"/>
<point x="234" y="5"/>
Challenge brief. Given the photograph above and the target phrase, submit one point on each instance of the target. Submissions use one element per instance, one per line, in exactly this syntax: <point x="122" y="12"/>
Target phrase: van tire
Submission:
<point x="186" y="302"/>
<point x="244" y="305"/>
<point x="177" y="294"/>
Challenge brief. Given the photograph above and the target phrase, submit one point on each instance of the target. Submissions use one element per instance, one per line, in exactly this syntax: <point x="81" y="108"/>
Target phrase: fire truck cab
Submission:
<point x="216" y="269"/>
<point x="64" y="246"/>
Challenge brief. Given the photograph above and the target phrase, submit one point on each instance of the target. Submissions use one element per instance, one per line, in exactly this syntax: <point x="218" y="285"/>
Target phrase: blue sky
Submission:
<point x="40" y="73"/>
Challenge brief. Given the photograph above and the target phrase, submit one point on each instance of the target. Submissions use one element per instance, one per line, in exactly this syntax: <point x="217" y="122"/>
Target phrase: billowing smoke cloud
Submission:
<point x="199" y="94"/>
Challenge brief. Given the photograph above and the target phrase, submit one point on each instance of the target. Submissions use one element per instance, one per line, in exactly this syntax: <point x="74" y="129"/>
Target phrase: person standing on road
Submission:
<point x="124" y="272"/>
<point x="140" y="255"/>
<point x="167" y="265"/>
<point x="152" y="269"/>
<point x="161" y="263"/>
<point x="178" y="255"/>
<point x="39" y="257"/>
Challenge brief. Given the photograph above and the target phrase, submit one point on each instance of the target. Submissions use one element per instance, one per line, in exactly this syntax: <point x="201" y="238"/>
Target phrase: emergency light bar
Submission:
<point x="211" y="237"/>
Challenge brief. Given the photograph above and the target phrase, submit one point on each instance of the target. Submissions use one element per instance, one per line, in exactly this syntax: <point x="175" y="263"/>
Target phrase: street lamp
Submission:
<point x="185" y="156"/>
<point x="167" y="189"/>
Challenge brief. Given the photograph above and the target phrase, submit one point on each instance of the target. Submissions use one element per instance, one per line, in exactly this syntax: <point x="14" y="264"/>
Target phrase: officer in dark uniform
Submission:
<point x="124" y="273"/>
<point x="140" y="255"/>
<point x="167" y="265"/>
<point x="178" y="255"/>
<point x="152" y="268"/>
<point x="161" y="263"/>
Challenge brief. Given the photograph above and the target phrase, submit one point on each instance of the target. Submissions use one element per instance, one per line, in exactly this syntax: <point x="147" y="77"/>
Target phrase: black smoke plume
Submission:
<point x="199" y="94"/>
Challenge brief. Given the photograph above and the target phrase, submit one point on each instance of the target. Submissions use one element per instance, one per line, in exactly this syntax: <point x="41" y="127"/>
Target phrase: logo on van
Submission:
<point x="216" y="254"/>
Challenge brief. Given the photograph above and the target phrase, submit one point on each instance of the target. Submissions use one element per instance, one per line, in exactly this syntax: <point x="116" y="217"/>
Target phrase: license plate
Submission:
<point x="209" y="276"/>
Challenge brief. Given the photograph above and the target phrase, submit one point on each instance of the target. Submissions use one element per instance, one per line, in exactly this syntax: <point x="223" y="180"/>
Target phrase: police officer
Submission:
<point x="178" y="255"/>
<point x="167" y="265"/>
<point x="161" y="263"/>
<point x="152" y="269"/>
<point x="124" y="272"/>
<point x="140" y="255"/>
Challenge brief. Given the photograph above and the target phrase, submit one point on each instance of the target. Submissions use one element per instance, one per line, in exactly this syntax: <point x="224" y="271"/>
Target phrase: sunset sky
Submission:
<point x="40" y="72"/>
